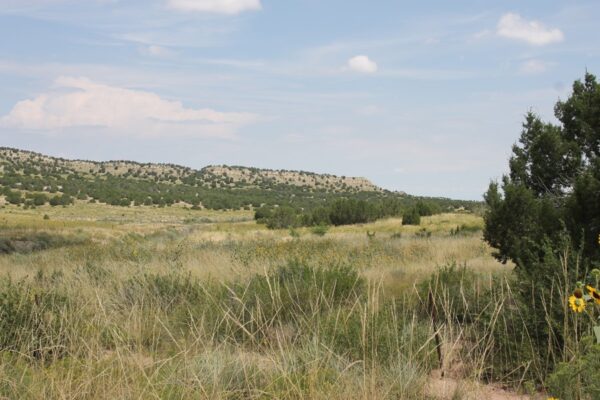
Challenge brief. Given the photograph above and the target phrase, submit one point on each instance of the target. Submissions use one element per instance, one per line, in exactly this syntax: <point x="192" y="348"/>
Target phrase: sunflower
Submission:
<point x="577" y="305"/>
<point x="594" y="294"/>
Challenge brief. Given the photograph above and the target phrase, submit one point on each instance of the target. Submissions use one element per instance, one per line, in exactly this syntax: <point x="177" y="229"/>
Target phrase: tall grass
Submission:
<point x="176" y="313"/>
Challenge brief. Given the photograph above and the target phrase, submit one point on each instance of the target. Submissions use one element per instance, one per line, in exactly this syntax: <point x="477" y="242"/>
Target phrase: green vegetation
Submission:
<point x="41" y="179"/>
<point x="348" y="212"/>
<point x="411" y="217"/>
<point x="545" y="218"/>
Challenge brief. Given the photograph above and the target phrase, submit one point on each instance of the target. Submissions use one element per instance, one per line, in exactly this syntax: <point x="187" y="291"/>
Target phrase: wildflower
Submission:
<point x="552" y="398"/>
<point x="594" y="294"/>
<point x="578" y="293"/>
<point x="577" y="304"/>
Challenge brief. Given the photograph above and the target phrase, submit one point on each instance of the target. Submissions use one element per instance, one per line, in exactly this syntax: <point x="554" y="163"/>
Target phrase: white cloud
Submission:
<point x="513" y="26"/>
<point x="362" y="64"/>
<point x="533" y="67"/>
<point x="82" y="103"/>
<point x="215" y="6"/>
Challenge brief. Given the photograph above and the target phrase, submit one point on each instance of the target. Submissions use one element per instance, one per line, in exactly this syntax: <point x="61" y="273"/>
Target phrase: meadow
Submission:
<point x="111" y="302"/>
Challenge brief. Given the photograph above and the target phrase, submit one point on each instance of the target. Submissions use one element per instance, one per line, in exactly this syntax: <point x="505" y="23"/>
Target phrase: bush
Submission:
<point x="320" y="230"/>
<point x="578" y="378"/>
<point x="350" y="211"/>
<point x="282" y="218"/>
<point x="318" y="216"/>
<point x="63" y="200"/>
<point x="411" y="217"/>
<point x="14" y="197"/>
<point x="39" y="199"/>
<point x="426" y="209"/>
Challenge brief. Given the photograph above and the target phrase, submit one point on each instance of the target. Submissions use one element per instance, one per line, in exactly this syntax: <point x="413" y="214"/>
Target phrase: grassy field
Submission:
<point x="110" y="302"/>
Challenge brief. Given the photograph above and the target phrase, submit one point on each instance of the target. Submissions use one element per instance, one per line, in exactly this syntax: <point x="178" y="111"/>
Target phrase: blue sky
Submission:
<point x="425" y="97"/>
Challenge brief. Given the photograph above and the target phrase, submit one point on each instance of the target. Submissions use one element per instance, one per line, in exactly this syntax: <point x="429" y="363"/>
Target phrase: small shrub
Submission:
<point x="411" y="217"/>
<point x="320" y="230"/>
<point x="578" y="378"/>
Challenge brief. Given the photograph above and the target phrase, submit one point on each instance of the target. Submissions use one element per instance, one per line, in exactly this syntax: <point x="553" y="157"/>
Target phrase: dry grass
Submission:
<point x="127" y="340"/>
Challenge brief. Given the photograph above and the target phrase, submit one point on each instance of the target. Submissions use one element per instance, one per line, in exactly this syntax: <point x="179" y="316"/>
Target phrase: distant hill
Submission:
<point x="32" y="179"/>
<point x="219" y="176"/>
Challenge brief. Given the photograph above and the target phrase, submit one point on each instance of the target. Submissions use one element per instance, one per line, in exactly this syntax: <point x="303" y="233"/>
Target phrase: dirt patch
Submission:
<point x="447" y="388"/>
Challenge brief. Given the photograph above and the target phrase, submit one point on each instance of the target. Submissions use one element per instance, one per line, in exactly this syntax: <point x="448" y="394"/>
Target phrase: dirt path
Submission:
<point x="447" y="388"/>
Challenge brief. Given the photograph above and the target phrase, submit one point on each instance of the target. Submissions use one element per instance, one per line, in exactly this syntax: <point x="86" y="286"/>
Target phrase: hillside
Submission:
<point x="222" y="176"/>
<point x="34" y="179"/>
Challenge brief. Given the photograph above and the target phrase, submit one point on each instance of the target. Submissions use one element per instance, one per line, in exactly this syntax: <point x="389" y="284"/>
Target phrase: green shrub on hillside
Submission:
<point x="14" y="197"/>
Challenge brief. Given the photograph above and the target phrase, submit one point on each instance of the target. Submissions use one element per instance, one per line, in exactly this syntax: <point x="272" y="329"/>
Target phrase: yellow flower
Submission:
<point x="594" y="293"/>
<point x="577" y="305"/>
<point x="552" y="398"/>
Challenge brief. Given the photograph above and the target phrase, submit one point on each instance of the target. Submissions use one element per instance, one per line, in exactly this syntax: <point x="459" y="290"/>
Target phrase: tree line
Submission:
<point x="347" y="212"/>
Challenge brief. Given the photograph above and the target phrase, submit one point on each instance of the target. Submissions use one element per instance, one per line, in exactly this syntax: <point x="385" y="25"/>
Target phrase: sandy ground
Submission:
<point x="448" y="388"/>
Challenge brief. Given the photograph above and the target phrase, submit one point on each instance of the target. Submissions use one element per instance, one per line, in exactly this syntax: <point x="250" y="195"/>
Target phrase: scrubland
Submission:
<point x="173" y="303"/>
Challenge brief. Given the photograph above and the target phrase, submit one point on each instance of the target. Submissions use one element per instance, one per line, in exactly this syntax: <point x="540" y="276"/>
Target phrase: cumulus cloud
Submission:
<point x="362" y="64"/>
<point x="513" y="26"/>
<point x="82" y="103"/>
<point x="533" y="66"/>
<point x="215" y="6"/>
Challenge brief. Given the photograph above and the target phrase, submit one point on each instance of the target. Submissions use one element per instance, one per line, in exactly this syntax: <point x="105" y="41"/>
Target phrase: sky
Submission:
<point x="423" y="97"/>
